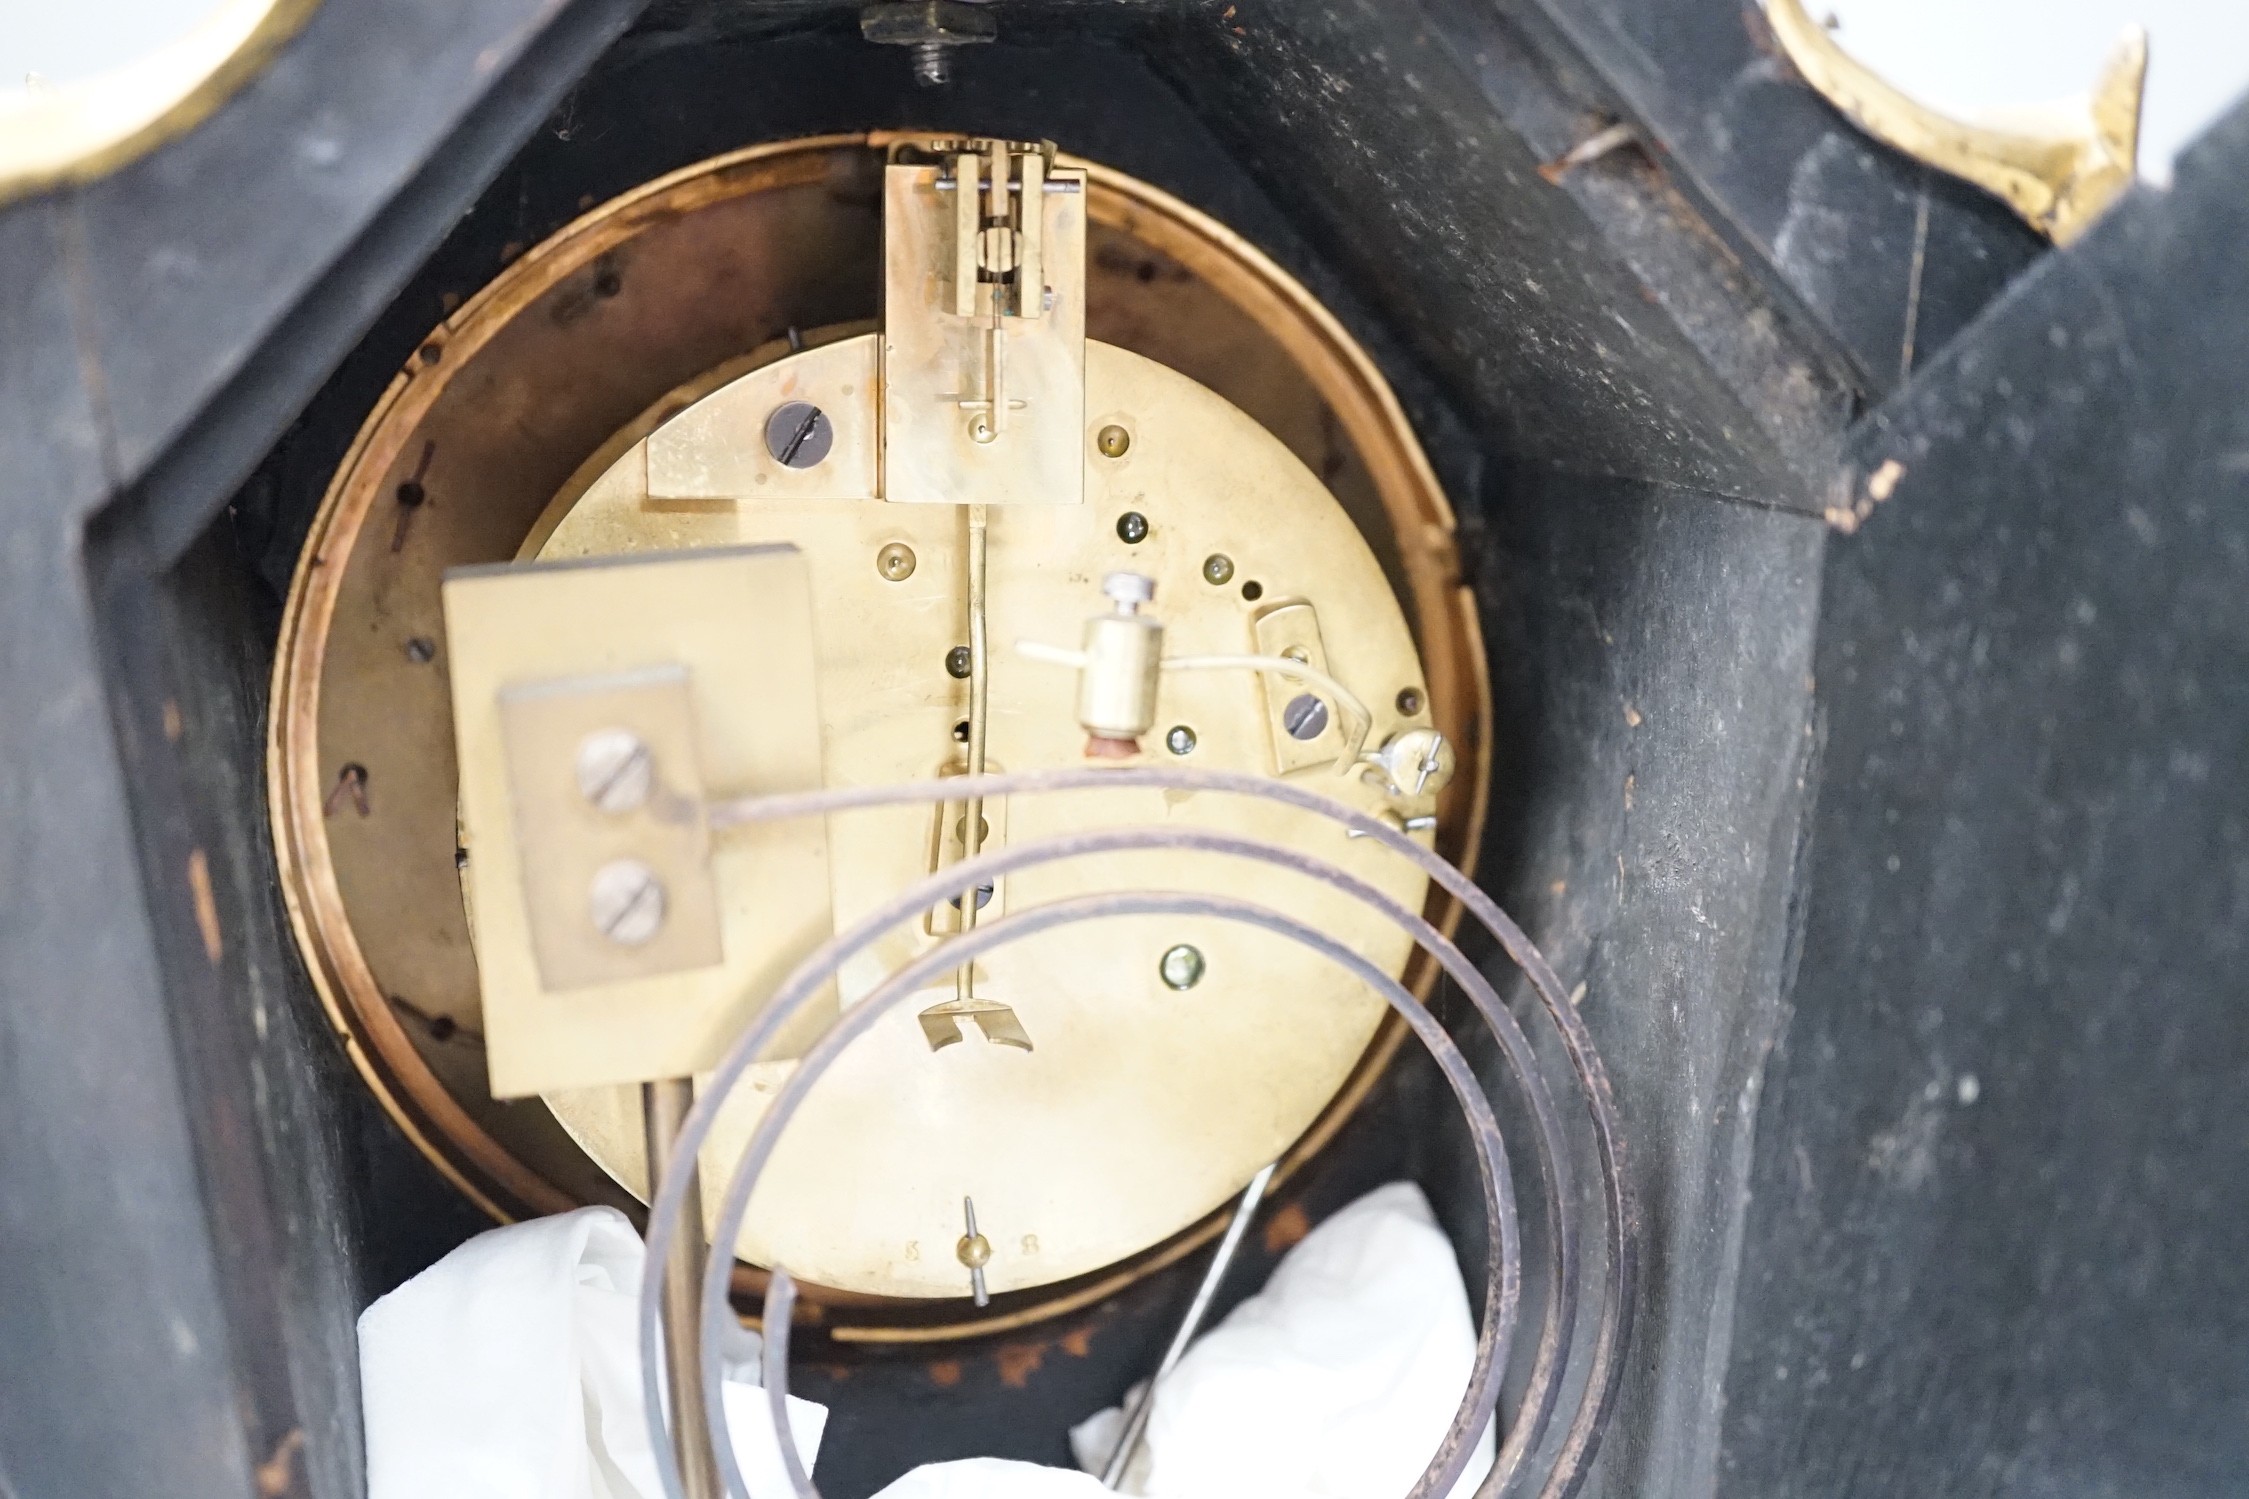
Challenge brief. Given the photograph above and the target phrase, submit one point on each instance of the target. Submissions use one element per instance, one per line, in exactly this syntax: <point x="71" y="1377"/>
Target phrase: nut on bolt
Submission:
<point x="1417" y="762"/>
<point x="1128" y="591"/>
<point x="932" y="28"/>
<point x="974" y="1252"/>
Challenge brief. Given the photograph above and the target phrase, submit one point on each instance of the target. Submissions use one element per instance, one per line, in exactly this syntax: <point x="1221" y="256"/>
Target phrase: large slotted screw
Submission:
<point x="615" y="770"/>
<point x="1305" y="717"/>
<point x="627" y="902"/>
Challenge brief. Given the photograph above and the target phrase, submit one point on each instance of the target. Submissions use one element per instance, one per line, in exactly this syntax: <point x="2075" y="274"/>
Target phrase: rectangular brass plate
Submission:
<point x="1281" y="628"/>
<point x="934" y="360"/>
<point x="565" y="840"/>
<point x="735" y="626"/>
<point x="716" y="450"/>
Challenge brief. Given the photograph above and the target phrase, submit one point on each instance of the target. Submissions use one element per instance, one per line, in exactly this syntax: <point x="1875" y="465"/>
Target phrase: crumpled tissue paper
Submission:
<point x="510" y="1369"/>
<point x="993" y="1478"/>
<point x="1337" y="1381"/>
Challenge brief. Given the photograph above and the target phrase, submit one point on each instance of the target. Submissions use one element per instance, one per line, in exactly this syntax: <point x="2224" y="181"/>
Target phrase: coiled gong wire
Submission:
<point x="1621" y="1229"/>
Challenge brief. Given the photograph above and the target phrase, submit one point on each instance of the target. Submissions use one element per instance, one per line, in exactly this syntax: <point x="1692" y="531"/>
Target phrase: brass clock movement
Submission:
<point x="854" y="462"/>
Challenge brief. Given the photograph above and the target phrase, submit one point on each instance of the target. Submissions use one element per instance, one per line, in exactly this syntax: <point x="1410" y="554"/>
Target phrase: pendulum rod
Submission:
<point x="979" y="701"/>
<point x="941" y="1023"/>
<point x="664" y="1107"/>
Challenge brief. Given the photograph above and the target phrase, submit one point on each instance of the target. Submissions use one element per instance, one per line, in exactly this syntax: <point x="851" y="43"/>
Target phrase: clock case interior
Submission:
<point x="508" y="434"/>
<point x="1633" y="530"/>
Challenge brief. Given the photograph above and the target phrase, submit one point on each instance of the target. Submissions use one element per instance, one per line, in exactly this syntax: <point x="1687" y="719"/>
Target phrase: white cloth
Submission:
<point x="510" y="1369"/>
<point x="1337" y="1381"/>
<point x="993" y="1478"/>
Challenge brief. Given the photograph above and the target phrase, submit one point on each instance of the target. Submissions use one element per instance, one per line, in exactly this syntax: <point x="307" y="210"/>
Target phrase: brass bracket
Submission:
<point x="1291" y="630"/>
<point x="2059" y="176"/>
<point x="940" y="1024"/>
<point x="595" y="707"/>
<point x="983" y="351"/>
<point x="608" y="801"/>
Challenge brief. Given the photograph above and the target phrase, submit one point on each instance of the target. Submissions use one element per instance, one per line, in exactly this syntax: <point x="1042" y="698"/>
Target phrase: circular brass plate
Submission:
<point x="1143" y="1106"/>
<point x="529" y="390"/>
